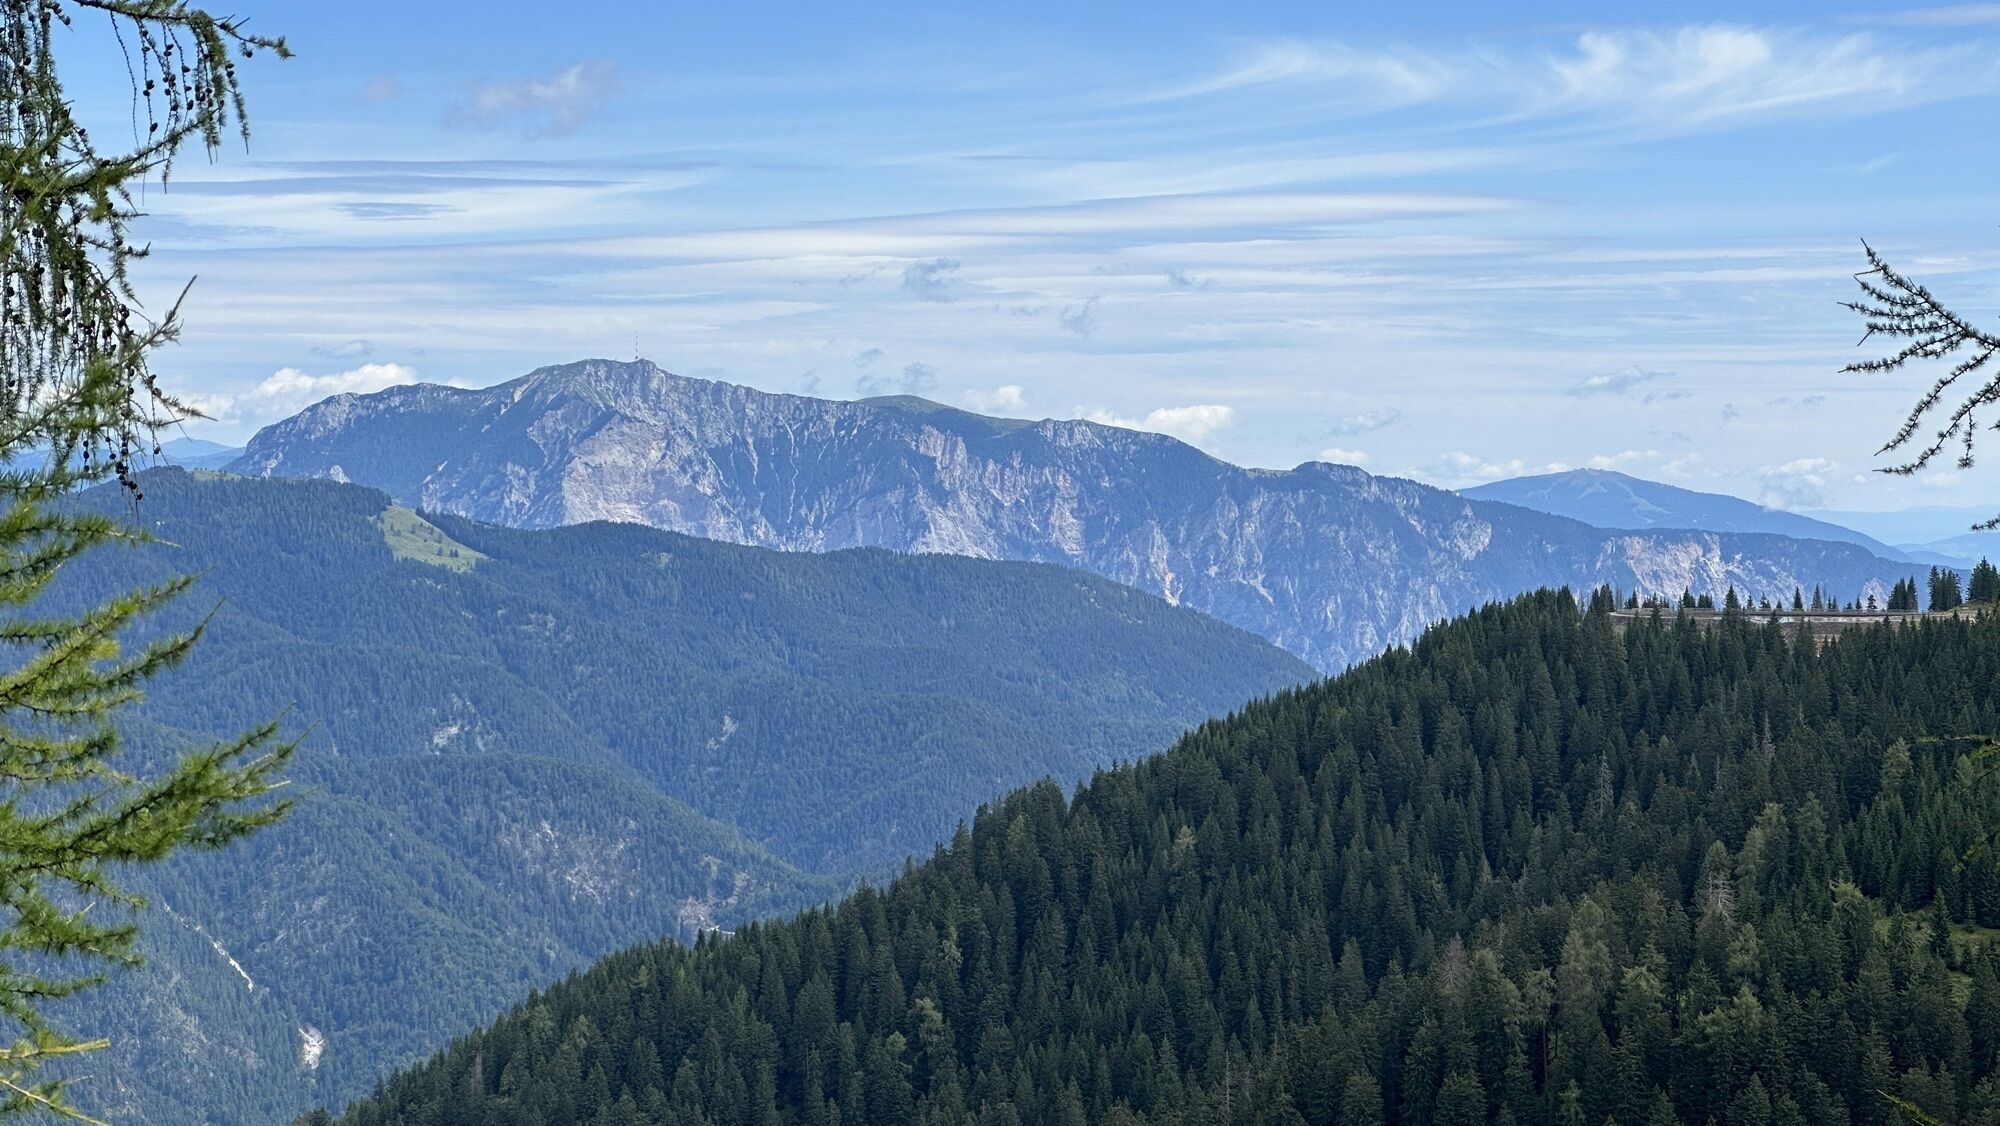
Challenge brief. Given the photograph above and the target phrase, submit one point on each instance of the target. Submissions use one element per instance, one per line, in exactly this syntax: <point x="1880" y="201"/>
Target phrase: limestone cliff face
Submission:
<point x="1325" y="560"/>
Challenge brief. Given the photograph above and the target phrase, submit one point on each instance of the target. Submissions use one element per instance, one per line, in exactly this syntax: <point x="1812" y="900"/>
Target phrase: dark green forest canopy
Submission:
<point x="1534" y="869"/>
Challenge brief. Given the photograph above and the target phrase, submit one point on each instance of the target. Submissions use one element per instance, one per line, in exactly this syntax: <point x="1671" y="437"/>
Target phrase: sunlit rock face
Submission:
<point x="1325" y="560"/>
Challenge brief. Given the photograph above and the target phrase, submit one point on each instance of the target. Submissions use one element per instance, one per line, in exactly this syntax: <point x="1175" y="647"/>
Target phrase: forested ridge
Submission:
<point x="524" y="750"/>
<point x="1533" y="869"/>
<point x="845" y="708"/>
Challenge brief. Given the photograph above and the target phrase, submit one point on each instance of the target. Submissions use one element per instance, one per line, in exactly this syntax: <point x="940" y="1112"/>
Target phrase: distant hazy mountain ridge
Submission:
<point x="196" y="453"/>
<point x="1607" y="499"/>
<point x="1327" y="561"/>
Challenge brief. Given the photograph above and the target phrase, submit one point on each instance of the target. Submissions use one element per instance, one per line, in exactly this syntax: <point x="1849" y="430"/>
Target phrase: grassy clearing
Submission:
<point x="412" y="537"/>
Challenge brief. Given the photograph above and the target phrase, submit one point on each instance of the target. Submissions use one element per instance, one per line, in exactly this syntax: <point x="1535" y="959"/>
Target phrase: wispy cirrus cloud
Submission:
<point x="1943" y="16"/>
<point x="1696" y="77"/>
<point x="1672" y="81"/>
<point x="921" y="235"/>
<point x="256" y="203"/>
<point x="1380" y="77"/>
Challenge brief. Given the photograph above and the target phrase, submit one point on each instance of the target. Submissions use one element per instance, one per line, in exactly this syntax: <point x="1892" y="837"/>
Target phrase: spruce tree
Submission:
<point x="1985" y="583"/>
<point x="1944" y="590"/>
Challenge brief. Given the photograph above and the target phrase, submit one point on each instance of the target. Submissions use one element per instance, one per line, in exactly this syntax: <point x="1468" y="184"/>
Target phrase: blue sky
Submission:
<point x="1442" y="241"/>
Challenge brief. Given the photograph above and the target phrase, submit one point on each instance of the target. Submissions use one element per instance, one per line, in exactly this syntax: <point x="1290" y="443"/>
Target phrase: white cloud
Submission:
<point x="289" y="390"/>
<point x="1190" y="424"/>
<point x="1344" y="457"/>
<point x="1798" y="484"/>
<point x="1009" y="399"/>
<point x="555" y="106"/>
<point x="218" y="408"/>
<point x="293" y="385"/>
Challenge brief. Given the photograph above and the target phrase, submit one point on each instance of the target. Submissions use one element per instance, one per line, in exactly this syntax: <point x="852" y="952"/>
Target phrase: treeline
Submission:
<point x="1945" y="593"/>
<point x="1531" y="870"/>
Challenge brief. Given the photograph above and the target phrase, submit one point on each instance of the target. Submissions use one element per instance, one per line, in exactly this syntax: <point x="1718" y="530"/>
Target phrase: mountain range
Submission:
<point x="525" y="749"/>
<point x="1327" y="561"/>
<point x="1921" y="536"/>
<point x="1605" y="498"/>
